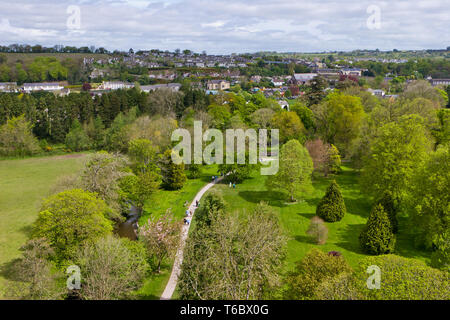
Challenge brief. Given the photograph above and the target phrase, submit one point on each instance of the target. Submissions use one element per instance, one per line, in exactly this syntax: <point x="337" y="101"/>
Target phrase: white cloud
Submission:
<point x="229" y="26"/>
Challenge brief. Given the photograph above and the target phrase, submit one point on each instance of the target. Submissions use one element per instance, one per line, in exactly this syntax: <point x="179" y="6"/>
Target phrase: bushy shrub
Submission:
<point x="316" y="267"/>
<point x="340" y="287"/>
<point x="400" y="279"/>
<point x="318" y="230"/>
<point x="194" y="171"/>
<point x="332" y="206"/>
<point x="377" y="236"/>
<point x="404" y="279"/>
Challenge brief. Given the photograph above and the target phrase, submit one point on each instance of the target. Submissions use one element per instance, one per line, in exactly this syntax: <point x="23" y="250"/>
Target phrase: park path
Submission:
<point x="171" y="285"/>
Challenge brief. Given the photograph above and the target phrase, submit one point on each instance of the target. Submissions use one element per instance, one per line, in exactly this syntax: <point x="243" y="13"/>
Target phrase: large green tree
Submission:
<point x="70" y="219"/>
<point x="338" y="120"/>
<point x="429" y="201"/>
<point x="395" y="154"/>
<point x="295" y="170"/>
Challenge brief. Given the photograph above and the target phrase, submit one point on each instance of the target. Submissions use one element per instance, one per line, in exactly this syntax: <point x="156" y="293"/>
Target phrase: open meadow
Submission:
<point x="24" y="183"/>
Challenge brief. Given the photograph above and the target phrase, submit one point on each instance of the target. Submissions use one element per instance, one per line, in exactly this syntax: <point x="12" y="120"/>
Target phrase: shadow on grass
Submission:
<point x="27" y="230"/>
<point x="405" y="243"/>
<point x="304" y="239"/>
<point x="349" y="237"/>
<point x="276" y="199"/>
<point x="307" y="215"/>
<point x="9" y="270"/>
<point x="358" y="206"/>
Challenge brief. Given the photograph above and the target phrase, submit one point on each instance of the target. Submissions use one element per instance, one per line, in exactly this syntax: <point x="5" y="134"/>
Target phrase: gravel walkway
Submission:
<point x="171" y="285"/>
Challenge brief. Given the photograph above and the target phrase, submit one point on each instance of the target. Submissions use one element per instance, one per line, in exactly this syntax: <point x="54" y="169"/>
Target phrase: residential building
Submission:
<point x="173" y="86"/>
<point x="43" y="86"/>
<point x="8" y="86"/>
<point x="115" y="85"/>
<point x="377" y="92"/>
<point x="302" y="78"/>
<point x="277" y="82"/>
<point x="218" y="85"/>
<point x="255" y="79"/>
<point x="351" y="72"/>
<point x="436" y="82"/>
<point x="284" y="105"/>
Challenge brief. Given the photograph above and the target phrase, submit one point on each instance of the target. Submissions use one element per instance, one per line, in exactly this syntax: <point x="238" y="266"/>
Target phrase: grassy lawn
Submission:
<point x="157" y="205"/>
<point x="23" y="185"/>
<point x="342" y="236"/>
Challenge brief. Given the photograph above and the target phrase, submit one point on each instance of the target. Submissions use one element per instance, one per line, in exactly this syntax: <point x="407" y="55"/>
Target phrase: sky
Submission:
<point x="229" y="26"/>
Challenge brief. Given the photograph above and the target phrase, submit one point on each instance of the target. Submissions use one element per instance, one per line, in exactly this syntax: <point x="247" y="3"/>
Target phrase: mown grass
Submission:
<point x="23" y="185"/>
<point x="295" y="218"/>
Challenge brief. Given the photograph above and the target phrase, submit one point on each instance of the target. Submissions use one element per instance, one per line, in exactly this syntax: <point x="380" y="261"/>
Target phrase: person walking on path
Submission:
<point x="172" y="283"/>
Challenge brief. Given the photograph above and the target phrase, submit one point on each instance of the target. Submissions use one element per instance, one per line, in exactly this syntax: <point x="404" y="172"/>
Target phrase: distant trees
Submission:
<point x="173" y="176"/>
<point x="326" y="158"/>
<point x="306" y="116"/>
<point x="332" y="206"/>
<point x="377" y="237"/>
<point x="295" y="169"/>
<point x="339" y="119"/>
<point x="262" y="117"/>
<point x="77" y="139"/>
<point x="290" y="126"/>
<point x="212" y="207"/>
<point x="17" y="139"/>
<point x="142" y="153"/>
<point x="391" y="208"/>
<point x="317" y="90"/>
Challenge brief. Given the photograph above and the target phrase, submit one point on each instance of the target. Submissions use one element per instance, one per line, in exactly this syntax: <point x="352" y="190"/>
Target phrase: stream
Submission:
<point x="128" y="229"/>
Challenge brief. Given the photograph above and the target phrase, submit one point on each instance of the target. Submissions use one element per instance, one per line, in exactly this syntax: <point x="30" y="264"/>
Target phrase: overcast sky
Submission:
<point x="228" y="26"/>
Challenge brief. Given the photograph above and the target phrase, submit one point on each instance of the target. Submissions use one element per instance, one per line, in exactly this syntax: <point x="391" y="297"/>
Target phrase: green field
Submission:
<point x="23" y="185"/>
<point x="294" y="218"/>
<point x="29" y="57"/>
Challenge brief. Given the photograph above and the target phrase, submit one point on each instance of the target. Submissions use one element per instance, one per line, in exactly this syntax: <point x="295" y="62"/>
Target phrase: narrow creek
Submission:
<point x="128" y="229"/>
